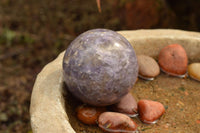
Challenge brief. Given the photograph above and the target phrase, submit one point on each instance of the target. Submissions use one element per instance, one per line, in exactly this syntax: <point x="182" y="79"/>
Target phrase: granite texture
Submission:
<point x="100" y="67"/>
<point x="47" y="110"/>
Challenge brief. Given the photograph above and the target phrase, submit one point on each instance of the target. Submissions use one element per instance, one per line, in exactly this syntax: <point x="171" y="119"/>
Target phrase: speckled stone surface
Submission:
<point x="47" y="110"/>
<point x="100" y="67"/>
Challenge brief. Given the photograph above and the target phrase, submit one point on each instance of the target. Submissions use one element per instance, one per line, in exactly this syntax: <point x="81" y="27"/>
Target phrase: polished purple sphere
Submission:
<point x="100" y="67"/>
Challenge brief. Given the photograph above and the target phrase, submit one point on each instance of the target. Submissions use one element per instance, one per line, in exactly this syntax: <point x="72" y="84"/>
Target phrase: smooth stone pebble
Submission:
<point x="89" y="114"/>
<point x="194" y="71"/>
<point x="173" y="60"/>
<point x="127" y="105"/>
<point x="148" y="67"/>
<point x="150" y="111"/>
<point x="116" y="122"/>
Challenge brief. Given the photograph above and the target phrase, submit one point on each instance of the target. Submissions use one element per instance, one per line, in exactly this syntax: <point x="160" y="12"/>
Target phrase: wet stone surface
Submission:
<point x="148" y="67"/>
<point x="150" y="111"/>
<point x="194" y="71"/>
<point x="116" y="122"/>
<point x="127" y="105"/>
<point x="100" y="67"/>
<point x="89" y="114"/>
<point x="173" y="60"/>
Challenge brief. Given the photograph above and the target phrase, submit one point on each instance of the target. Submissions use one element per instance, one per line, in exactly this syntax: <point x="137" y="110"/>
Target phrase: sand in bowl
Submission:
<point x="179" y="96"/>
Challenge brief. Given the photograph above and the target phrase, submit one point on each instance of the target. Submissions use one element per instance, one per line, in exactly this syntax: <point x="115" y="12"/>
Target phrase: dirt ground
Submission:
<point x="33" y="32"/>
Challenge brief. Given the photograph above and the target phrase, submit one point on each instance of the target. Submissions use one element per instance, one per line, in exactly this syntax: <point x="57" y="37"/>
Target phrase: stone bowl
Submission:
<point x="48" y="110"/>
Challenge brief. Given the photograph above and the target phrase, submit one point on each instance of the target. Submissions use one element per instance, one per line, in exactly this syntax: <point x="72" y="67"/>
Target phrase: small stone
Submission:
<point x="116" y="122"/>
<point x="173" y="60"/>
<point x="150" y="111"/>
<point x="198" y="121"/>
<point x="166" y="126"/>
<point x="194" y="71"/>
<point x="127" y="105"/>
<point x="148" y="67"/>
<point x="89" y="114"/>
<point x="186" y="93"/>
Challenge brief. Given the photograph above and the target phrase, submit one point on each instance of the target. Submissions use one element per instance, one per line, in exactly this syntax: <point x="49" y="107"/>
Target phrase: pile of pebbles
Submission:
<point x="118" y="117"/>
<point x="173" y="61"/>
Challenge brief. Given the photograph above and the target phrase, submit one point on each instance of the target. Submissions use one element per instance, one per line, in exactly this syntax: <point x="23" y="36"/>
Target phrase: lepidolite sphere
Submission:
<point x="100" y="67"/>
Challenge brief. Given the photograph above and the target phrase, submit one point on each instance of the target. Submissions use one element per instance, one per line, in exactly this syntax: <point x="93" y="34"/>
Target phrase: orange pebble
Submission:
<point x="186" y="93"/>
<point x="173" y="60"/>
<point x="89" y="114"/>
<point x="150" y="111"/>
<point x="198" y="121"/>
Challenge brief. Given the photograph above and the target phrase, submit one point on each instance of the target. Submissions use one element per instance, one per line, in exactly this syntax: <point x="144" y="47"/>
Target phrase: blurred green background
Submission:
<point x="34" y="32"/>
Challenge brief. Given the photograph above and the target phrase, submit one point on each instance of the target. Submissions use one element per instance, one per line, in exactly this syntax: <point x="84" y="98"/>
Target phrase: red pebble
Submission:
<point x="113" y="122"/>
<point x="89" y="114"/>
<point x="173" y="60"/>
<point x="127" y="105"/>
<point x="150" y="111"/>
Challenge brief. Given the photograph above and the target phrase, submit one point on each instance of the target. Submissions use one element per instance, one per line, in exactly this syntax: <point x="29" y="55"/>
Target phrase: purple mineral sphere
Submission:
<point x="100" y="67"/>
